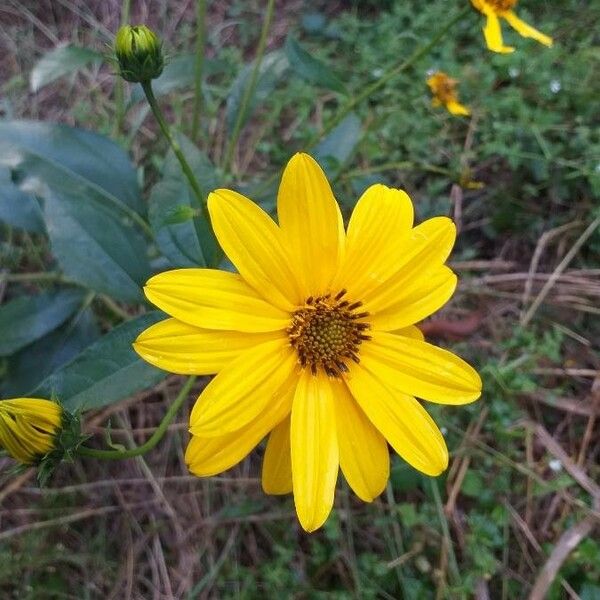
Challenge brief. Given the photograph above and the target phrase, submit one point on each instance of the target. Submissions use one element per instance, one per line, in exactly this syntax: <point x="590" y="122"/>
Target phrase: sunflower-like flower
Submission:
<point x="29" y="428"/>
<point x="444" y="93"/>
<point x="496" y="9"/>
<point x="313" y="340"/>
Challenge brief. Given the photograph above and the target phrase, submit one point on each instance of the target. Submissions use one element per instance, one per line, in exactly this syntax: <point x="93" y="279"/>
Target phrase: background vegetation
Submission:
<point x="520" y="487"/>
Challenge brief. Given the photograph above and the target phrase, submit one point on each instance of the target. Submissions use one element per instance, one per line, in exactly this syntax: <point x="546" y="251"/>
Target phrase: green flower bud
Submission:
<point x="139" y="55"/>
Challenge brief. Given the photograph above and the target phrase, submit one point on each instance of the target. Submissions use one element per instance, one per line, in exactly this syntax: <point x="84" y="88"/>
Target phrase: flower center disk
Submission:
<point x="502" y="5"/>
<point x="327" y="332"/>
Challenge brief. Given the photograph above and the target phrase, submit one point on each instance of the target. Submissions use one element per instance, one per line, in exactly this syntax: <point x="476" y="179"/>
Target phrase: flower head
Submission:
<point x="314" y="340"/>
<point x="29" y="428"/>
<point x="139" y="53"/>
<point x="444" y="93"/>
<point x="495" y="9"/>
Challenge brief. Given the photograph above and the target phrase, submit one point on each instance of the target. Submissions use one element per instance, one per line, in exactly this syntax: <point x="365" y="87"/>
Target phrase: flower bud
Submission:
<point x="29" y="428"/>
<point x="139" y="55"/>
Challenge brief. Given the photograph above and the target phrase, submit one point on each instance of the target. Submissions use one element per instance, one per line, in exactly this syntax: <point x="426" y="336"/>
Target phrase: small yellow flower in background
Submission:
<point x="444" y="93"/>
<point x="314" y="340"/>
<point x="28" y="427"/>
<point x="495" y="9"/>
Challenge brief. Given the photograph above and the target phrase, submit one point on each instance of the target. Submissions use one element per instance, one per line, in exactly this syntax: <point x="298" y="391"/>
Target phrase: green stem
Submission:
<point x="31" y="277"/>
<point x="391" y="73"/>
<point x="119" y="83"/>
<point x="152" y="440"/>
<point x="397" y="166"/>
<point x="445" y="531"/>
<point x="375" y="86"/>
<point x="166" y="130"/>
<point x="250" y="88"/>
<point x="200" y="44"/>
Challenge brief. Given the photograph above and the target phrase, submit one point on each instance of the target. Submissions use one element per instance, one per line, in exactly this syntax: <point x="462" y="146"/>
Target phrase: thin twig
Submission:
<point x="564" y="263"/>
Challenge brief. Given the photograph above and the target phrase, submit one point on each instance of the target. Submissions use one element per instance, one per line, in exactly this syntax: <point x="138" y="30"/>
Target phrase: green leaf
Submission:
<point x="312" y="69"/>
<point x="94" y="247"/>
<point x="272" y="69"/>
<point x="28" y="318"/>
<point x="17" y="208"/>
<point x="59" y="62"/>
<point x="336" y="148"/>
<point x="178" y="242"/>
<point x="190" y="241"/>
<point x="91" y="195"/>
<point x="73" y="153"/>
<point x="106" y="372"/>
<point x="28" y="367"/>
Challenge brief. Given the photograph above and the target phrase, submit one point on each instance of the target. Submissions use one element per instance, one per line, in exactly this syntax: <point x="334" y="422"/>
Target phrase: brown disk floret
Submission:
<point x="327" y="332"/>
<point x="502" y="5"/>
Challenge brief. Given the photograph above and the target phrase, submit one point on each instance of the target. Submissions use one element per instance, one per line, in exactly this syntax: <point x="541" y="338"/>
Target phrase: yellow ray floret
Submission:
<point x="28" y="427"/>
<point x="444" y="93"/>
<point x="313" y="340"/>
<point x="494" y="10"/>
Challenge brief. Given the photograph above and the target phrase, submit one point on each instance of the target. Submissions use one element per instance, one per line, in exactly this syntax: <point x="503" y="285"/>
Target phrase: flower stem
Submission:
<point x="152" y="440"/>
<point x="119" y="84"/>
<point x="250" y="88"/>
<point x="166" y="130"/>
<point x="391" y="73"/>
<point x="199" y="64"/>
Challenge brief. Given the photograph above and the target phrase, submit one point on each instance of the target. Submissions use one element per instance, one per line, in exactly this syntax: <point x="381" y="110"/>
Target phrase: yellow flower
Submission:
<point x="28" y="427"/>
<point x="443" y="89"/>
<point x="493" y="9"/>
<point x="314" y="340"/>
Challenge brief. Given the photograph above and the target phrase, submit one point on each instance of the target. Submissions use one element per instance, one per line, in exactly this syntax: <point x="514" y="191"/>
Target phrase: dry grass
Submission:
<point x="143" y="528"/>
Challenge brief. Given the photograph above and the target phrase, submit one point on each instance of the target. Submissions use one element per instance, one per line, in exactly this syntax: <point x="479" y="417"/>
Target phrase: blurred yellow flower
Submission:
<point x="314" y="340"/>
<point x="495" y="9"/>
<point x="28" y="427"/>
<point x="444" y="93"/>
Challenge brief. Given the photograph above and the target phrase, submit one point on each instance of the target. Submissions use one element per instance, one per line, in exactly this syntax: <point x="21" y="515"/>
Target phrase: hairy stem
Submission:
<point x="166" y="130"/>
<point x="152" y="440"/>
<point x="250" y="88"/>
<point x="199" y="65"/>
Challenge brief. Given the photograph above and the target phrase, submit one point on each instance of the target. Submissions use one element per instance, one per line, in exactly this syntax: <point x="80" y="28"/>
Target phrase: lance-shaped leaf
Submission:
<point x="107" y="371"/>
<point x="28" y="318"/>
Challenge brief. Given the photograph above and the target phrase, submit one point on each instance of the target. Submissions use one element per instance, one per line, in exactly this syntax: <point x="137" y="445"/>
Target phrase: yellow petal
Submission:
<point x="277" y="463"/>
<point x="252" y="241"/>
<point x="311" y="224"/>
<point x="402" y="421"/>
<point x="28" y="427"/>
<point x="380" y="221"/>
<point x="243" y="389"/>
<point x="423" y="253"/>
<point x="414" y="300"/>
<point x="181" y="348"/>
<point x="314" y="449"/>
<point x="526" y="30"/>
<point x="11" y="442"/>
<point x="209" y="456"/>
<point x="45" y="414"/>
<point x="412" y="332"/>
<point x="456" y="108"/>
<point x="420" y="369"/>
<point x="37" y="442"/>
<point x="493" y="34"/>
<point x="214" y="300"/>
<point x="364" y="455"/>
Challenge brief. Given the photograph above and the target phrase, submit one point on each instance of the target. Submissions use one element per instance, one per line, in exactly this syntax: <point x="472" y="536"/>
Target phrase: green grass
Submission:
<point x="143" y="531"/>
